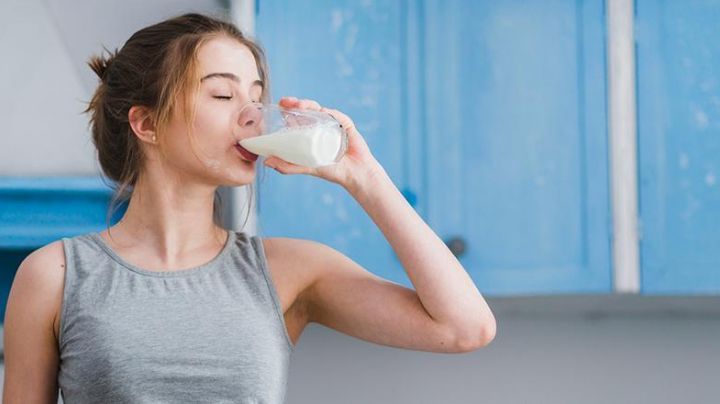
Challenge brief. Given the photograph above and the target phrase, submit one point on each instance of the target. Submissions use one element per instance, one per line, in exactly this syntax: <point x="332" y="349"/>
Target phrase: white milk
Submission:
<point x="306" y="146"/>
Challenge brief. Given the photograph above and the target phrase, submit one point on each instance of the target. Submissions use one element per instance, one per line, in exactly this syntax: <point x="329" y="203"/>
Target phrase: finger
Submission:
<point x="271" y="161"/>
<point x="288" y="102"/>
<point x="344" y="120"/>
<point x="286" y="167"/>
<point x="309" y="104"/>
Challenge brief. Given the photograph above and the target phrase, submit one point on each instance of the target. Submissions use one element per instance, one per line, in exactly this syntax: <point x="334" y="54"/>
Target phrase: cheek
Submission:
<point x="205" y="137"/>
<point x="213" y="126"/>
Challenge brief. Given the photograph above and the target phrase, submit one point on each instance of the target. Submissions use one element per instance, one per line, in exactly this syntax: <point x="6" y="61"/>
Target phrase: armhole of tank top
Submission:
<point x="63" y="305"/>
<point x="260" y="250"/>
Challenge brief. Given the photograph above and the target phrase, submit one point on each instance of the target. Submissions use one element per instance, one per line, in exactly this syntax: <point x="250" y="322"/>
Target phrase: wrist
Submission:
<point x="366" y="178"/>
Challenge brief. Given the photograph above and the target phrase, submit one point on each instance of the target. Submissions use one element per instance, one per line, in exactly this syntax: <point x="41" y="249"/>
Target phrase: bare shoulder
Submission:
<point x="44" y="267"/>
<point x="40" y="278"/>
<point x="30" y="337"/>
<point x="52" y="253"/>
<point x="296" y="266"/>
<point x="291" y="262"/>
<point x="304" y="267"/>
<point x="293" y="266"/>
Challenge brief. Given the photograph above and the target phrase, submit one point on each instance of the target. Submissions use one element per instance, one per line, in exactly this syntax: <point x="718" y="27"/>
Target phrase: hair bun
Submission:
<point x="100" y="64"/>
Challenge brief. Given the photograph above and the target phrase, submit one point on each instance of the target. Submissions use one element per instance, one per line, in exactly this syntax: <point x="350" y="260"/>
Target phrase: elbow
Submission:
<point x="477" y="336"/>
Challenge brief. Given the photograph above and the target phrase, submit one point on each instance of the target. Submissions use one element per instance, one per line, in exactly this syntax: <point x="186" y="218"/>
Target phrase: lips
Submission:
<point x="247" y="155"/>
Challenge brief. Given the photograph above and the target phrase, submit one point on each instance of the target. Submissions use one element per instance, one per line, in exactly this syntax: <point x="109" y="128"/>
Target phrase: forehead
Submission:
<point x="223" y="54"/>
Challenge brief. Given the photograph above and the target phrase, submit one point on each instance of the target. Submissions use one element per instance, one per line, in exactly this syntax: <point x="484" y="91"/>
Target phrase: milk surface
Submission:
<point x="312" y="146"/>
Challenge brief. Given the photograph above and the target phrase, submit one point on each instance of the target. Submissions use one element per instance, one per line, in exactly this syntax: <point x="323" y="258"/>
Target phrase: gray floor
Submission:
<point x="581" y="350"/>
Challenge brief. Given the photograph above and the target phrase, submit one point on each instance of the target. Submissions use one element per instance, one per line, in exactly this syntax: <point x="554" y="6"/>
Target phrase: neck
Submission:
<point x="169" y="220"/>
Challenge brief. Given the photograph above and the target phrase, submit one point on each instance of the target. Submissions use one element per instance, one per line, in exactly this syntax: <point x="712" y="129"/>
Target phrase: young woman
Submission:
<point x="168" y="306"/>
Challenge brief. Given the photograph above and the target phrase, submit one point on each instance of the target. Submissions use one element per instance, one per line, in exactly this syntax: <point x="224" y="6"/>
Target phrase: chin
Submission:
<point x="240" y="179"/>
<point x="236" y="172"/>
<point x="237" y="184"/>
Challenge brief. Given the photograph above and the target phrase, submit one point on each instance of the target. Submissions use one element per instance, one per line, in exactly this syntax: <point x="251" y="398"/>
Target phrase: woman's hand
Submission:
<point x="356" y="166"/>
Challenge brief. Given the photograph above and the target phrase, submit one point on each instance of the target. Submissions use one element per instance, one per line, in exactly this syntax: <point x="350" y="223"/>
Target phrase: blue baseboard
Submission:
<point x="35" y="211"/>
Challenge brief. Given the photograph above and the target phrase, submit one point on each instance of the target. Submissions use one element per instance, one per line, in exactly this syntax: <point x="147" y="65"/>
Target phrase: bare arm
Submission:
<point x="446" y="303"/>
<point x="346" y="297"/>
<point x="30" y="345"/>
<point x="446" y="291"/>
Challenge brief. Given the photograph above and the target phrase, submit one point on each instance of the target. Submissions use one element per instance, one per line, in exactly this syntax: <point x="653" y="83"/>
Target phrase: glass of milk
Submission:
<point x="303" y="137"/>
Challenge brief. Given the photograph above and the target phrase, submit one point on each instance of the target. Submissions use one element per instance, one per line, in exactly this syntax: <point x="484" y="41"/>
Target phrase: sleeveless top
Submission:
<point x="214" y="333"/>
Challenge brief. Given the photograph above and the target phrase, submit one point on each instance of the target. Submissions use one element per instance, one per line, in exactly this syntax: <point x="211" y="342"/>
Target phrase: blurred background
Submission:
<point x="568" y="152"/>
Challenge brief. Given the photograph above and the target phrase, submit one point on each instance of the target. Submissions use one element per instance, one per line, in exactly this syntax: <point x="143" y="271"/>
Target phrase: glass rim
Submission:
<point x="276" y="107"/>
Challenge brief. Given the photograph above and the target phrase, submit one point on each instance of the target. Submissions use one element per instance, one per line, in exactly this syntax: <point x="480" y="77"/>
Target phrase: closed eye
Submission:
<point x="223" y="97"/>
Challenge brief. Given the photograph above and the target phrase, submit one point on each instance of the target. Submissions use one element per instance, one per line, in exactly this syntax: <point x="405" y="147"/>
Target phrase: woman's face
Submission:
<point x="229" y="80"/>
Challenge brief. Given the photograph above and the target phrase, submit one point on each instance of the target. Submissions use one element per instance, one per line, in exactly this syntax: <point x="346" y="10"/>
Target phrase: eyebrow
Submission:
<point x="232" y="77"/>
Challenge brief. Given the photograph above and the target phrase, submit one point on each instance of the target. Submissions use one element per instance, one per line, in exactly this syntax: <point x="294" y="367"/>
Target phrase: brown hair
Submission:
<point x="153" y="68"/>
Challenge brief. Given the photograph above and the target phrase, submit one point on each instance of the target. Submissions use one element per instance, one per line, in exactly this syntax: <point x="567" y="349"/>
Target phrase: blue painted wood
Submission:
<point x="516" y="152"/>
<point x="346" y="55"/>
<point x="489" y="116"/>
<point x="10" y="260"/>
<point x="36" y="211"/>
<point x="678" y="64"/>
<point x="410" y="196"/>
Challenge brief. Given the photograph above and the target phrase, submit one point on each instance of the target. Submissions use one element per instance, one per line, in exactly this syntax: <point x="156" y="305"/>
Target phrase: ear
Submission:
<point x="141" y="123"/>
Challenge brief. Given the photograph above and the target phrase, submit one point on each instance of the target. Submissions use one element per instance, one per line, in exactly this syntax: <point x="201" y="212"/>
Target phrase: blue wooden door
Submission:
<point x="490" y="117"/>
<point x="516" y="152"/>
<point x="678" y="55"/>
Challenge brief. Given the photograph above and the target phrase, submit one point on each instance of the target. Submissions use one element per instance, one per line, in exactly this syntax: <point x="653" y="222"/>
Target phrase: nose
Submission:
<point x="250" y="115"/>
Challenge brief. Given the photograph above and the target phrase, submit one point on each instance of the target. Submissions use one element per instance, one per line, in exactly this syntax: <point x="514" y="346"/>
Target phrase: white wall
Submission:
<point x="40" y="96"/>
<point x="45" y="83"/>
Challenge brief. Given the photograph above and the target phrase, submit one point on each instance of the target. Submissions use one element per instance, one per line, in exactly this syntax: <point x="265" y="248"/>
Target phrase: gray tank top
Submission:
<point x="210" y="334"/>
